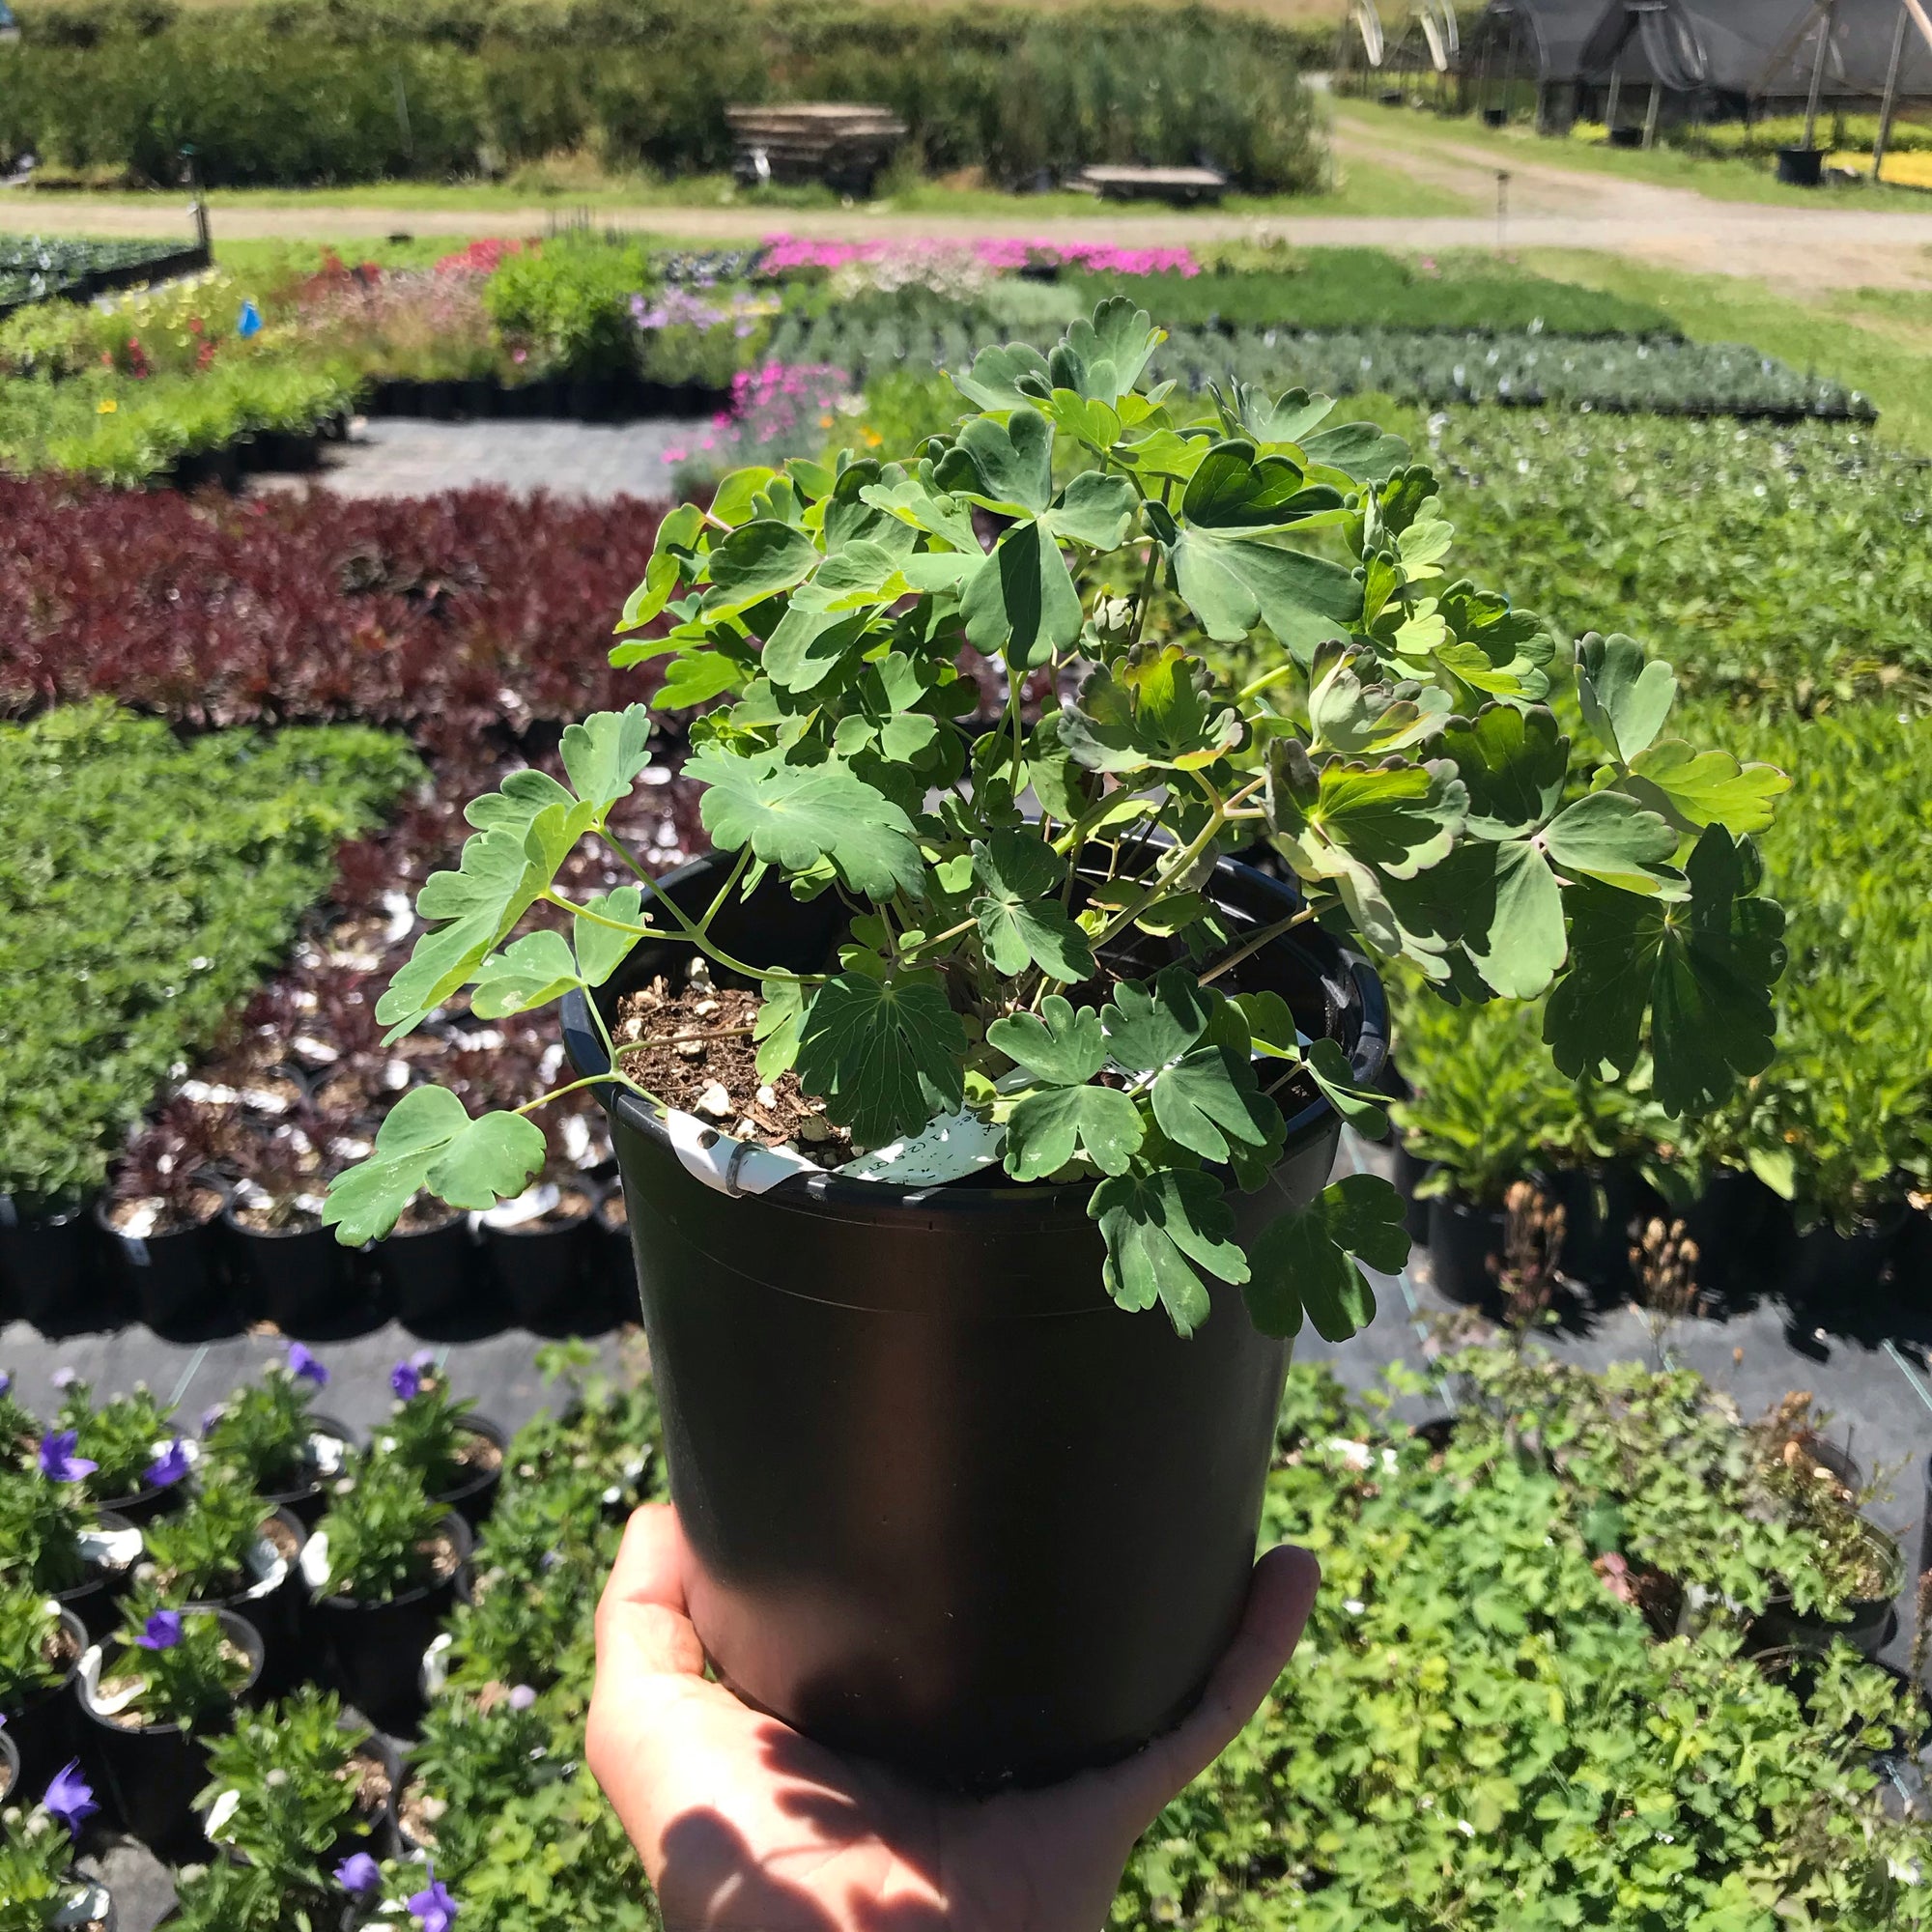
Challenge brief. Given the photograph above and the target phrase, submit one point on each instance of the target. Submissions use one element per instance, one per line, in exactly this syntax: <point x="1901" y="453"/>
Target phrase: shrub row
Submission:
<point x="145" y="886"/>
<point x="34" y="267"/>
<point x="293" y="96"/>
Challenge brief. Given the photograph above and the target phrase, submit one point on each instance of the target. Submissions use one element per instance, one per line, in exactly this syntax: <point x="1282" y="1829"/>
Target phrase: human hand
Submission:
<point x="744" y="1826"/>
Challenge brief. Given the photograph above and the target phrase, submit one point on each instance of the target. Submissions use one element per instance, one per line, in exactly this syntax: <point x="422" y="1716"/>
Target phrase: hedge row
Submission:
<point x="145" y="887"/>
<point x="267" y="98"/>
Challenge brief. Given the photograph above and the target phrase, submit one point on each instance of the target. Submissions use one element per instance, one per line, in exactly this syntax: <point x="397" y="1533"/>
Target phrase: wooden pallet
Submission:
<point x="840" y="143"/>
<point x="1185" y="185"/>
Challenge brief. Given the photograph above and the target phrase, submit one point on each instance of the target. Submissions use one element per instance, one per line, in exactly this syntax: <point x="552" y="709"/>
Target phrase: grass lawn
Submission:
<point x="1660" y="167"/>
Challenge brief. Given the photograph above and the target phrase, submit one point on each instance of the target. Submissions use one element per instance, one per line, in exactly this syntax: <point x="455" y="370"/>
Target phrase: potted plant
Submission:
<point x="40" y="1643"/>
<point x="382" y="1569"/>
<point x="54" y="1540"/>
<point x="538" y="1245"/>
<point x="296" y="1788"/>
<point x="136" y="1459"/>
<point x="943" y="1069"/>
<point x="157" y="1221"/>
<point x="152" y="1694"/>
<point x="458" y="1454"/>
<point x="41" y="1889"/>
<point x="226" y="1548"/>
<point x="20" y="1432"/>
<point x="286" y="1268"/>
<point x="271" y="1435"/>
<point x="478" y="1755"/>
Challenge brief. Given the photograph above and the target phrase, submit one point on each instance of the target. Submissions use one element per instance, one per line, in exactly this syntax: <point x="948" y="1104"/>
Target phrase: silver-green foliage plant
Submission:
<point x="1400" y="756"/>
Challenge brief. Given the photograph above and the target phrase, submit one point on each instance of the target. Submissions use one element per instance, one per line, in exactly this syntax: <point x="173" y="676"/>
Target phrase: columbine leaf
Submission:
<point x="1210" y="1095"/>
<point x="1608" y="837"/>
<point x="1043" y="1129"/>
<point x="1093" y="509"/>
<point x="1512" y="762"/>
<point x="927" y="509"/>
<point x="758" y="561"/>
<point x="531" y="971"/>
<point x="1020" y="604"/>
<point x="780" y="1013"/>
<point x="1625" y="697"/>
<point x="1231" y="584"/>
<point x="996" y="373"/>
<point x="600" y="948"/>
<point x="1362" y="450"/>
<point x="1148" y="1025"/>
<point x="1700" y="788"/>
<point x="1513" y="926"/>
<point x="1307" y="1260"/>
<point x="1102" y="360"/>
<point x="1020" y="923"/>
<point x="807" y="646"/>
<point x="1158" y="1226"/>
<point x="1288" y="418"/>
<point x="429" y="1141"/>
<point x="1236" y="490"/>
<point x="796" y="815"/>
<point x="606" y="752"/>
<point x="1063" y="1046"/>
<point x="1328" y="1068"/>
<point x="883" y="1055"/>
<point x="1007" y="466"/>
<point x="1704" y="971"/>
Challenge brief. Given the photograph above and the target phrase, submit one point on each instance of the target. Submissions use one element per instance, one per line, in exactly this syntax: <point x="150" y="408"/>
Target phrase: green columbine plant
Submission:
<point x="30" y="1659"/>
<point x="381" y="1528"/>
<point x="1399" y="755"/>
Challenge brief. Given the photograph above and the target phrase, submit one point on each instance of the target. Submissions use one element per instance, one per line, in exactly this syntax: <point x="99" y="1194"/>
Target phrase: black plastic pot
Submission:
<point x="301" y="1280"/>
<point x="149" y="1776"/>
<point x="1625" y="137"/>
<point x="96" y="1603"/>
<point x="307" y="1503"/>
<point x="616" y="1265"/>
<point x="1464" y="1240"/>
<point x="1800" y="168"/>
<point x="275" y="1612"/>
<point x="374" y="1651"/>
<point x="1495" y="116"/>
<point x="1832" y="1274"/>
<point x="1602" y="1205"/>
<point x="43" y="1731"/>
<point x="473" y="1498"/>
<point x="434" y="1277"/>
<point x="47" y="1272"/>
<point x="173" y="1281"/>
<point x="1742" y="1231"/>
<point x="144" y="1505"/>
<point x="1865" y="1625"/>
<point x="540" y="1272"/>
<point x="949" y="1506"/>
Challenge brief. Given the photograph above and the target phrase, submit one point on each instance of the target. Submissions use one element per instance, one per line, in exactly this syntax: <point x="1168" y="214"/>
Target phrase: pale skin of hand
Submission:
<point x="744" y="1826"/>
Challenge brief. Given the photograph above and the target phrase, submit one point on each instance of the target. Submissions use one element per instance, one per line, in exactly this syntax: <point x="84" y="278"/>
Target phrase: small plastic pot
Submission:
<point x="173" y="1280"/>
<point x="1864" y="1624"/>
<point x="273" y="1605"/>
<point x="47" y="1272"/>
<point x="1465" y="1249"/>
<point x="307" y="1503"/>
<point x="143" y="1505"/>
<point x="43" y="1730"/>
<point x="617" y="1265"/>
<point x="540" y="1270"/>
<point x="1743" y="1234"/>
<point x="1602" y="1205"/>
<point x="475" y="1496"/>
<point x="96" y="1602"/>
<point x="1834" y="1274"/>
<point x="300" y="1279"/>
<point x="373" y="1652"/>
<point x="151" y="1774"/>
<point x="434" y="1277"/>
<point x="1800" y="168"/>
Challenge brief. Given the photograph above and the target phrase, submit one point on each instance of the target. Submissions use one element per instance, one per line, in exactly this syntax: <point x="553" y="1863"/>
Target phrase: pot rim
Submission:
<point x="853" y="1198"/>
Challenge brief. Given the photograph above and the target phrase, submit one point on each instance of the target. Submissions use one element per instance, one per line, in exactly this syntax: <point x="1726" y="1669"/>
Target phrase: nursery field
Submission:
<point x="1573" y="1662"/>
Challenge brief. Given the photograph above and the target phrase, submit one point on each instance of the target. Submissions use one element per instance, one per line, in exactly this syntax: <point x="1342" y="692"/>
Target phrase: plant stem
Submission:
<point x="1253" y="943"/>
<point x="737" y="873"/>
<point x="577" y="1086"/>
<point x="1262" y="683"/>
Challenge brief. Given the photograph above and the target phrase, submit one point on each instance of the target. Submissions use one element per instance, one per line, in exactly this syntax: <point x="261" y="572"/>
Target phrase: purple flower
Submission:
<point x="521" y="1698"/>
<point x="405" y="1378"/>
<point x="423" y="1360"/>
<point x="168" y="1467"/>
<point x="211" y="1416"/>
<point x="70" y="1798"/>
<point x="433" y="1908"/>
<point x="306" y="1367"/>
<point x="358" y="1874"/>
<point x="58" y="1462"/>
<point x="6" y="1382"/>
<point x="65" y="1379"/>
<point x="161" y="1631"/>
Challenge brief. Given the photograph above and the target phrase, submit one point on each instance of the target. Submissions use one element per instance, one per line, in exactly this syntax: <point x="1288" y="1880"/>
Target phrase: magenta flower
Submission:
<point x="358" y="1874"/>
<point x="168" y="1467"/>
<point x="161" y="1631"/>
<point x="70" y="1798"/>
<point x="58" y="1462"/>
<point x="306" y="1367"/>
<point x="433" y="1907"/>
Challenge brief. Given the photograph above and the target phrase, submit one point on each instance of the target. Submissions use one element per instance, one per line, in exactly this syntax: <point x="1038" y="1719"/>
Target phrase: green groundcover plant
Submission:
<point x="144" y="885"/>
<point x="1398" y="753"/>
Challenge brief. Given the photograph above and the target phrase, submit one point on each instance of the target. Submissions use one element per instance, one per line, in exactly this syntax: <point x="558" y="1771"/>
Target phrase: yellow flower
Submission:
<point x="106" y="405"/>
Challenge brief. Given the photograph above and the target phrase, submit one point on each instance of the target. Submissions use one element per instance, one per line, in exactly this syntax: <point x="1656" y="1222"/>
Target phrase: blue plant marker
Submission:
<point x="250" y="321"/>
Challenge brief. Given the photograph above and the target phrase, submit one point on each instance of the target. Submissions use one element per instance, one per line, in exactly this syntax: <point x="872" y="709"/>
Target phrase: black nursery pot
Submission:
<point x="96" y="1602"/>
<point x="1864" y="1625"/>
<point x="432" y="1276"/>
<point x="1464" y="1240"/>
<point x="301" y="1280"/>
<point x="539" y="1271"/>
<point x="151" y="1775"/>
<point x="1834" y="1274"/>
<point x="949" y="1506"/>
<point x="375" y="1650"/>
<point x="475" y="1496"/>
<point x="275" y="1609"/>
<point x="1602" y="1205"/>
<point x="42" y="1732"/>
<point x="173" y="1280"/>
<point x="47" y="1272"/>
